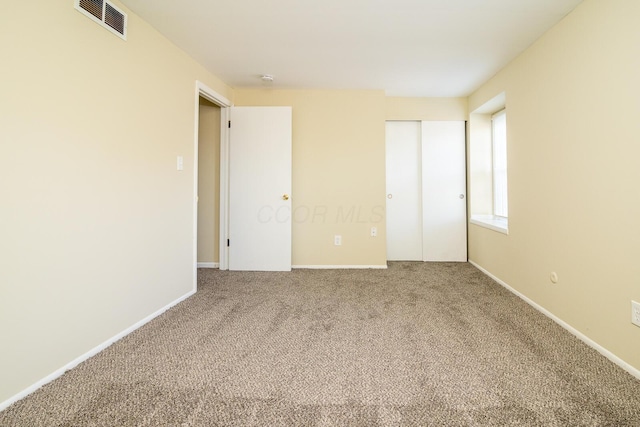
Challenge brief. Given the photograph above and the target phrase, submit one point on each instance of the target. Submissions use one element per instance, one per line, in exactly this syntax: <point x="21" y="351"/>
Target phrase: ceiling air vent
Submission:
<point x="105" y="14"/>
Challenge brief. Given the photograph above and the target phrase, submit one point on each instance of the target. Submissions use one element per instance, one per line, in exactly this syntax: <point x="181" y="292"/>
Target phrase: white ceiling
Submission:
<point x="429" y="48"/>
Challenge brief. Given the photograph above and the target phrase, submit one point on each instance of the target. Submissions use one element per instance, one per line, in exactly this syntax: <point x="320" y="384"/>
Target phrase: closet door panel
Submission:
<point x="404" y="194"/>
<point x="444" y="198"/>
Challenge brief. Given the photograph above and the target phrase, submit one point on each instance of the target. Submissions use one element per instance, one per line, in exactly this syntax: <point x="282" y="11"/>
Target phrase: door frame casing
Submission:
<point x="204" y="91"/>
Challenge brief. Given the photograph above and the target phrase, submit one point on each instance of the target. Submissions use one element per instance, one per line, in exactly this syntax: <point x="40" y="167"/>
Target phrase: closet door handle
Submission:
<point x="462" y="196"/>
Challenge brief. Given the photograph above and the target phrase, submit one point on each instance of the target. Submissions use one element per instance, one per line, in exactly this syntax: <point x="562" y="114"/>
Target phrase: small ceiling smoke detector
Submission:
<point x="267" y="78"/>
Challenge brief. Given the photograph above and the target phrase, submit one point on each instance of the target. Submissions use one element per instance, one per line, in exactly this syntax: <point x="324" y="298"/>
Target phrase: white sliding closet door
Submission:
<point x="404" y="200"/>
<point x="444" y="217"/>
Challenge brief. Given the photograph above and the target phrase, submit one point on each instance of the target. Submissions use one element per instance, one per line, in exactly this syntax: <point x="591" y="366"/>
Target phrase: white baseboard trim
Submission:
<point x="334" y="267"/>
<point x="24" y="393"/>
<point x="208" y="265"/>
<point x="588" y="341"/>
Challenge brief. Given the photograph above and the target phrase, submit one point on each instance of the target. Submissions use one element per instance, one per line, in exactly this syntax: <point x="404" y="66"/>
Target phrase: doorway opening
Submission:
<point x="208" y="184"/>
<point x="210" y="154"/>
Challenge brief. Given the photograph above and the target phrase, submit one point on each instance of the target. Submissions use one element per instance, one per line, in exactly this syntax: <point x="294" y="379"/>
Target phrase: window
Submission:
<point x="499" y="149"/>
<point x="488" y="165"/>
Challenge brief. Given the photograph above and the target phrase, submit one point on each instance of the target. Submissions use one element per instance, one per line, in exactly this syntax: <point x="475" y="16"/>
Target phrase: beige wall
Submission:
<point x="403" y="108"/>
<point x="573" y="126"/>
<point x="96" y="223"/>
<point x="208" y="182"/>
<point x="338" y="172"/>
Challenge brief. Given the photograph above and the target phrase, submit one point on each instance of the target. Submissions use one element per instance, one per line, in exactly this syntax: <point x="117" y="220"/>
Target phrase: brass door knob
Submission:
<point x="285" y="197"/>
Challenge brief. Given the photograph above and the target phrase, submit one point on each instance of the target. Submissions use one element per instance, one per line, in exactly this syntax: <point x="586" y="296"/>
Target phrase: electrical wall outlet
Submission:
<point x="337" y="240"/>
<point x="635" y="313"/>
<point x="374" y="232"/>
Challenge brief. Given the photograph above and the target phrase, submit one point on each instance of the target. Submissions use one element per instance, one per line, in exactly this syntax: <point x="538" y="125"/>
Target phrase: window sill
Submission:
<point x="492" y="222"/>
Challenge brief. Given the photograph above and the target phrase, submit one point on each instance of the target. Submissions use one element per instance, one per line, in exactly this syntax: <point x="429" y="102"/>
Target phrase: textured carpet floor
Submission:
<point x="419" y="344"/>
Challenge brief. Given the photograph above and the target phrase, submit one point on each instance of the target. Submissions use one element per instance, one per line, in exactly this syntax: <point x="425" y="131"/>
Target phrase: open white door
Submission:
<point x="260" y="189"/>
<point x="444" y="224"/>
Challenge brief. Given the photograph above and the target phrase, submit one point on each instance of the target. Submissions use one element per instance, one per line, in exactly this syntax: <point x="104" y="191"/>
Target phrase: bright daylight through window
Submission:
<point x="499" y="148"/>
